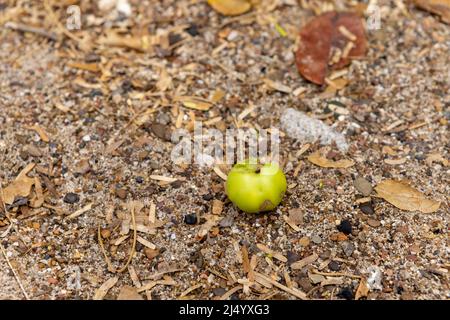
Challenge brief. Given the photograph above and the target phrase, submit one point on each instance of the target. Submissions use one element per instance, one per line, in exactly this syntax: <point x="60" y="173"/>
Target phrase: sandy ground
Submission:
<point x="405" y="76"/>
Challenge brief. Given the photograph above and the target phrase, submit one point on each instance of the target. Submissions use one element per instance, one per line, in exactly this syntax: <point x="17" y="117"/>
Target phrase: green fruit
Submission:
<point x="256" y="188"/>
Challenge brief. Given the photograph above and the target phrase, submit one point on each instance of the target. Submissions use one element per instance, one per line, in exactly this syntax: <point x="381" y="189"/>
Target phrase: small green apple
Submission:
<point x="255" y="188"/>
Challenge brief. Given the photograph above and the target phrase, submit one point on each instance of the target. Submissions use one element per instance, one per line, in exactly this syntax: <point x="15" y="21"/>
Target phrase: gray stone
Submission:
<point x="363" y="186"/>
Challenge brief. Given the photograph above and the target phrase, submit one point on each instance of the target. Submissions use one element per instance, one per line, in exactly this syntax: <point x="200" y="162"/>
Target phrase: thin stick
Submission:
<point x="111" y="268"/>
<point x="25" y="28"/>
<point x="336" y="274"/>
<point x="14" y="272"/>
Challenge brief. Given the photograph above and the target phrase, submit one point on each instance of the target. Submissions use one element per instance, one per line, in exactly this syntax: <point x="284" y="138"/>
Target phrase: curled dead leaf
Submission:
<point x="20" y="187"/>
<point x="329" y="41"/>
<point x="320" y="160"/>
<point x="230" y="7"/>
<point x="405" y="197"/>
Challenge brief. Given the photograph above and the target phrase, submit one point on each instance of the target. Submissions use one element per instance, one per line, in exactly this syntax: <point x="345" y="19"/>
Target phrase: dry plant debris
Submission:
<point x="330" y="41"/>
<point x="439" y="7"/>
<point x="230" y="7"/>
<point x="405" y="197"/>
<point x="319" y="159"/>
<point x="88" y="187"/>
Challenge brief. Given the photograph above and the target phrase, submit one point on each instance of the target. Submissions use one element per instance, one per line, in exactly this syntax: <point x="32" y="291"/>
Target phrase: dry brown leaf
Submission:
<point x="439" y="7"/>
<point x="211" y="221"/>
<point x="362" y="290"/>
<point x="20" y="187"/>
<point x="230" y="7"/>
<point x="403" y="196"/>
<point x="104" y="288"/>
<point x="324" y="46"/>
<point x="129" y="293"/>
<point x="320" y="160"/>
<point x="39" y="199"/>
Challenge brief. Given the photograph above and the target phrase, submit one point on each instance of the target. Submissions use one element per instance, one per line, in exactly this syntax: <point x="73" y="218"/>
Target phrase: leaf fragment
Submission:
<point x="405" y="197"/>
<point x="320" y="160"/>
<point x="329" y="42"/>
<point x="230" y="7"/>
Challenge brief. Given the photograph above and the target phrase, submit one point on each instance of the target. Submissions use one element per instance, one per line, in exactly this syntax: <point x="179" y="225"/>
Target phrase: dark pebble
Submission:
<point x="161" y="131"/>
<point x="71" y="198"/>
<point x="126" y="86"/>
<point x="174" y="38"/>
<point x="346" y="293"/>
<point x="92" y="57"/>
<point x="292" y="257"/>
<point x="420" y="156"/>
<point x="367" y="208"/>
<point x="207" y="197"/>
<point x="334" y="266"/>
<point x="234" y="296"/>
<point x="176" y="184"/>
<point x="139" y="179"/>
<point x="219" y="291"/>
<point x="193" y="30"/>
<point x="345" y="227"/>
<point x="95" y="93"/>
<point x="190" y="218"/>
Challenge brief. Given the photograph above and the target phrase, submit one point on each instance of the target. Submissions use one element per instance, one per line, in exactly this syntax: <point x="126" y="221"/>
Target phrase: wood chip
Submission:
<point x="220" y="173"/>
<point x="163" y="178"/>
<point x="291" y="223"/>
<point x="152" y="213"/>
<point x="304" y="262"/>
<point x="195" y="103"/>
<point x="395" y="161"/>
<point x="134" y="277"/>
<point x="217" y="207"/>
<point x="190" y="289"/>
<point x="272" y="253"/>
<point x="146" y="243"/>
<point x="211" y="221"/>
<point x="79" y="212"/>
<point x="41" y="132"/>
<point x="230" y="292"/>
<point x="295" y="292"/>
<point x="277" y="86"/>
<point x="143" y="229"/>
<point x="101" y="292"/>
<point x="120" y="240"/>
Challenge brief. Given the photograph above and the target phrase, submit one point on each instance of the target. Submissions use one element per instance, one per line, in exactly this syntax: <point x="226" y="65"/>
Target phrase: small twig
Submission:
<point x="111" y="268"/>
<point x="336" y="274"/>
<point x="25" y="28"/>
<point x="14" y="272"/>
